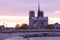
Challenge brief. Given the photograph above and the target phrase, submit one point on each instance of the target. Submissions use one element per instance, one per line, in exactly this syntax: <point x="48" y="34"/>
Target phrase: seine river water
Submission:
<point x="34" y="38"/>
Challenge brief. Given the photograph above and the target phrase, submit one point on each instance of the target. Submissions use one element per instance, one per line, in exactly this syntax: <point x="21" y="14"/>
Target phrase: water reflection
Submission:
<point x="15" y="38"/>
<point x="35" y="38"/>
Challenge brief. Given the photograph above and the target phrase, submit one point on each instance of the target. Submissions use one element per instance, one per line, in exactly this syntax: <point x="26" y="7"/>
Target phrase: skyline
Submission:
<point x="21" y="8"/>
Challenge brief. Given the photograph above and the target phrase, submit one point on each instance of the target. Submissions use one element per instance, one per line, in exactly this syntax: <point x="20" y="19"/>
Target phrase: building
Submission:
<point x="31" y="16"/>
<point x="37" y="22"/>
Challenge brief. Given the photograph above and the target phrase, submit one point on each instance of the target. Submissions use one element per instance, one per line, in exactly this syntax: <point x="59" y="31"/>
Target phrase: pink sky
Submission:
<point x="21" y="8"/>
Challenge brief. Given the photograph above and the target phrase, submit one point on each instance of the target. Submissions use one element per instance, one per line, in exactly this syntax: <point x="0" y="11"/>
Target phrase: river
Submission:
<point x="34" y="38"/>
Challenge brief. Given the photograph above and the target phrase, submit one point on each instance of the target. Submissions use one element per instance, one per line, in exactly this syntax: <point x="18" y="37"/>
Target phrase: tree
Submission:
<point x="2" y="27"/>
<point x="50" y="26"/>
<point x="17" y="26"/>
<point x="24" y="26"/>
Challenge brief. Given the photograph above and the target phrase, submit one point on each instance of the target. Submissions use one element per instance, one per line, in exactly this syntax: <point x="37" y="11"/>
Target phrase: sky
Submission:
<point x="14" y="12"/>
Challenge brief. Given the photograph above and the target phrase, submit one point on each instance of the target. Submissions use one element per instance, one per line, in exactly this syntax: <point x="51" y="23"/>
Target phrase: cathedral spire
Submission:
<point x="38" y="6"/>
<point x="40" y="13"/>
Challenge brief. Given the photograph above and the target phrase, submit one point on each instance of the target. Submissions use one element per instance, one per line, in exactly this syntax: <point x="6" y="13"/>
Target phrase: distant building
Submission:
<point x="37" y="22"/>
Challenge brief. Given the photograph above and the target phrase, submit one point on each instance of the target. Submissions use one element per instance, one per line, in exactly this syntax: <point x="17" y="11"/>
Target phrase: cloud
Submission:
<point x="16" y="7"/>
<point x="50" y="5"/>
<point x="52" y="14"/>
